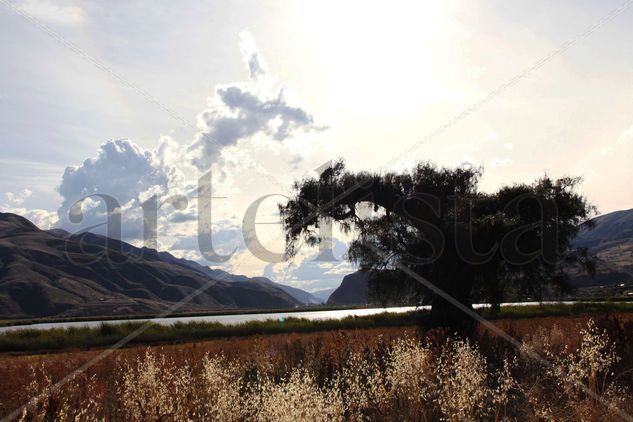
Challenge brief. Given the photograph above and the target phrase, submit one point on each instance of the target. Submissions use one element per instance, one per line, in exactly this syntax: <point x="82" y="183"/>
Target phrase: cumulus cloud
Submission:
<point x="250" y="128"/>
<point x="306" y="272"/>
<point x="256" y="110"/>
<point x="245" y="110"/>
<point x="19" y="197"/>
<point x="41" y="218"/>
<point x="122" y="170"/>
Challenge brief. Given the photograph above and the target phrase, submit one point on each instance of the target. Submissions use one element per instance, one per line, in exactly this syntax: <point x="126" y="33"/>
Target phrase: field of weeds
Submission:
<point x="584" y="373"/>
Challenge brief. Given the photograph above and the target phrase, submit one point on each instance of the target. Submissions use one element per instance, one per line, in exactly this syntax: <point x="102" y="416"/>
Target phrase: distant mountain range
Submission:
<point x="301" y="296"/>
<point x="323" y="294"/>
<point x="53" y="273"/>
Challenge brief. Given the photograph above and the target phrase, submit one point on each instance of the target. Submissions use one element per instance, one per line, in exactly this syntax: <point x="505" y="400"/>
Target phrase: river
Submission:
<point x="232" y="319"/>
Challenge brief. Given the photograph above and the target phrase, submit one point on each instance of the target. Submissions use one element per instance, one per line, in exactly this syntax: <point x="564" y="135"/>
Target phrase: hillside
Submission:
<point x="47" y="273"/>
<point x="352" y="291"/>
<point x="611" y="240"/>
<point x="299" y="295"/>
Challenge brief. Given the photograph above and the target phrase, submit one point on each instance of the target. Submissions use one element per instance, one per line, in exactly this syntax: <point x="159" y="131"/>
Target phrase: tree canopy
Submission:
<point x="436" y="222"/>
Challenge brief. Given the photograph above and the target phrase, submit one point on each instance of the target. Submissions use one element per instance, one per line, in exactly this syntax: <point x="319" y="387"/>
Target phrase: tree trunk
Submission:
<point x="446" y="314"/>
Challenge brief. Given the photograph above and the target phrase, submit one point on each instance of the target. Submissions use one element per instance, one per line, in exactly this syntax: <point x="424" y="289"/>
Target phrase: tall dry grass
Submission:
<point x="413" y="377"/>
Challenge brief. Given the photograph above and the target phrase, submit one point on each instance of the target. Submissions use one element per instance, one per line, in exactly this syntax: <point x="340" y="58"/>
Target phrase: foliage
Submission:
<point x="437" y="223"/>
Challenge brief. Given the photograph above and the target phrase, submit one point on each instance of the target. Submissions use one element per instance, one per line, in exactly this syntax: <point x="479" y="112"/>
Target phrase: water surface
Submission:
<point x="233" y="319"/>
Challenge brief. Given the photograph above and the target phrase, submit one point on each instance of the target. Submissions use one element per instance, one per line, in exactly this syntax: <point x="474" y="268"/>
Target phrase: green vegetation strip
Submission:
<point x="241" y="311"/>
<point x="29" y="340"/>
<point x="315" y="308"/>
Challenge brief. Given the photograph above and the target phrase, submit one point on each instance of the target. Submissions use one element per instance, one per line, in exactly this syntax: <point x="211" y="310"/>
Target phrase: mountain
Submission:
<point x="49" y="273"/>
<point x="323" y="294"/>
<point x="352" y="291"/>
<point x="611" y="229"/>
<point x="611" y="241"/>
<point x="299" y="295"/>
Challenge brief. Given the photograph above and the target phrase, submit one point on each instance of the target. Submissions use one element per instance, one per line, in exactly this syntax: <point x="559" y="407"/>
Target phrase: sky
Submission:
<point x="134" y="99"/>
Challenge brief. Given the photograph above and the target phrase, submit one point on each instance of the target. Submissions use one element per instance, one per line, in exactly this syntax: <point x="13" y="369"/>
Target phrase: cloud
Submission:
<point x="501" y="162"/>
<point x="250" y="128"/>
<point x="251" y="56"/>
<point x="468" y="163"/>
<point x="254" y="109"/>
<point x="183" y="216"/>
<point x="307" y="273"/>
<point x="41" y="218"/>
<point x="53" y="13"/>
<point x="18" y="198"/>
<point x="245" y="110"/>
<point x="124" y="171"/>
<point x="626" y="137"/>
<point x="225" y="241"/>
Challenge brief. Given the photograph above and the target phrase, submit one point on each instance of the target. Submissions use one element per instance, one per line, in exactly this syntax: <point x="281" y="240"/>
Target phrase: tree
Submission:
<point x="435" y="222"/>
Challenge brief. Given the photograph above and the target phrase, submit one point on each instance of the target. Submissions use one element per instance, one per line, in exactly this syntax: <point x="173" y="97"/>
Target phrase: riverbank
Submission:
<point x="29" y="340"/>
<point x="241" y="311"/>
<point x="223" y="312"/>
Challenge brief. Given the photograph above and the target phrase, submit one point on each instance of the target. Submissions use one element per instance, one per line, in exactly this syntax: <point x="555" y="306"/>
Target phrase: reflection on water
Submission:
<point x="241" y="318"/>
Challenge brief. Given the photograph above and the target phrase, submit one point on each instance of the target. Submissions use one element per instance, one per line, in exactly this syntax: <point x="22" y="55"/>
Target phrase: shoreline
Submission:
<point x="30" y="340"/>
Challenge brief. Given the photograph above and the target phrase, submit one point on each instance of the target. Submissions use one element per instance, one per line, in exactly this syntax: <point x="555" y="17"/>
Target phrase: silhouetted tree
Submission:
<point x="435" y="222"/>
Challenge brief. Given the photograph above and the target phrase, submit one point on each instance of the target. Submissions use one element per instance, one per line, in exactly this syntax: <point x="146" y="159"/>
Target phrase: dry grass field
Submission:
<point x="397" y="373"/>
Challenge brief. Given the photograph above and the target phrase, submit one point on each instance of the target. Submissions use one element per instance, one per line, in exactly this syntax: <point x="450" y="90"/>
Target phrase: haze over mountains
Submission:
<point x="48" y="273"/>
